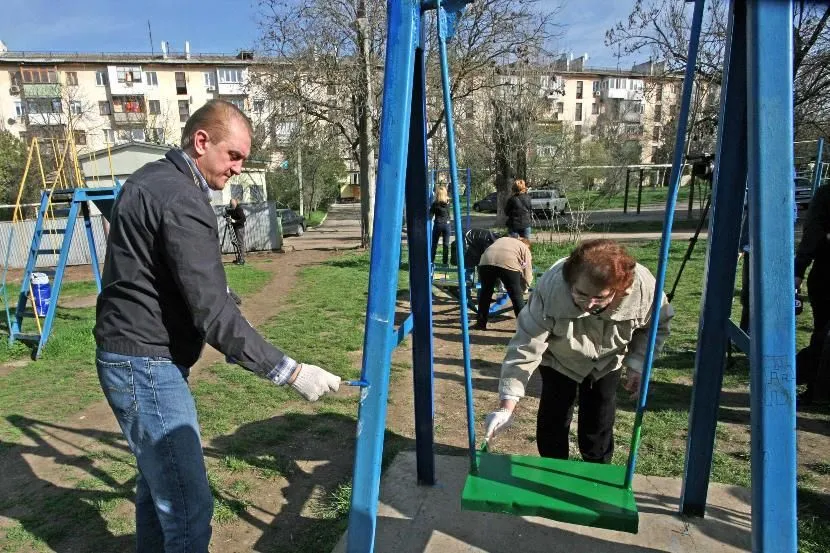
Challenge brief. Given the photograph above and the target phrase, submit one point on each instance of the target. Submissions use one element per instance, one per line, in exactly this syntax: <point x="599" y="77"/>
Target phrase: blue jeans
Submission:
<point x="520" y="233"/>
<point x="157" y="414"/>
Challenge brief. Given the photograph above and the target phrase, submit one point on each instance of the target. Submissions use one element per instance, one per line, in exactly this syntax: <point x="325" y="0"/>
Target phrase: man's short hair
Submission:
<point x="213" y="117"/>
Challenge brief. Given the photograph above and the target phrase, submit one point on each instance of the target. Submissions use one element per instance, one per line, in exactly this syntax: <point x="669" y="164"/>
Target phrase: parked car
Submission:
<point x="548" y="201"/>
<point x="803" y="192"/>
<point x="490" y="203"/>
<point x="291" y="222"/>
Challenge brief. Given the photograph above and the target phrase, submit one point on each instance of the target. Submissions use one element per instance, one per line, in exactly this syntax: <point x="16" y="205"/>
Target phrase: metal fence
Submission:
<point x="263" y="233"/>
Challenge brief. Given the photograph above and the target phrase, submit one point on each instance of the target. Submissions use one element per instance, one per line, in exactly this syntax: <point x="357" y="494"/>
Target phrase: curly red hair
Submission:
<point x="605" y="262"/>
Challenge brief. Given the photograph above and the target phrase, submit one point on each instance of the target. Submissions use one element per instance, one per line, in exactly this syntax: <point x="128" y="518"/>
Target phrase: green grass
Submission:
<point x="314" y="218"/>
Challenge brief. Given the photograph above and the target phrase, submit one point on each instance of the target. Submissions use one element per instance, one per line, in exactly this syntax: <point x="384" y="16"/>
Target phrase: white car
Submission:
<point x="548" y="201"/>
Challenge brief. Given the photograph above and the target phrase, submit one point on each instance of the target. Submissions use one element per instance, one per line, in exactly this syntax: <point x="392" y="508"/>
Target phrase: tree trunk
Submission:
<point x="366" y="147"/>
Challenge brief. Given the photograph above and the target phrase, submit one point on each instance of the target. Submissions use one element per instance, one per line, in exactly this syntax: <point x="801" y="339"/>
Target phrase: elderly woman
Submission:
<point x="586" y="320"/>
<point x="507" y="260"/>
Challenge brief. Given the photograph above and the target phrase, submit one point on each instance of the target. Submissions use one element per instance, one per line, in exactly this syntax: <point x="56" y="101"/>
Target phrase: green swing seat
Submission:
<point x="581" y="493"/>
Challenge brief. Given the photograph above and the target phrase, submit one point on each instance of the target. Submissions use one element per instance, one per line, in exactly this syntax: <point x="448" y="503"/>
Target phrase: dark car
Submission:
<point x="490" y="203"/>
<point x="291" y="222"/>
<point x="803" y="192"/>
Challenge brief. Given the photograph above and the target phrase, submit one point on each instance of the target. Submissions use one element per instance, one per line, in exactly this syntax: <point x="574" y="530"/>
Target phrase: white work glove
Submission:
<point x="312" y="382"/>
<point x="496" y="422"/>
<point x="633" y="381"/>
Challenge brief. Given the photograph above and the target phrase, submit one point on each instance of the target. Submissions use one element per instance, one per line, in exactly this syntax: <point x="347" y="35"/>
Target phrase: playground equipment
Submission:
<point x="61" y="203"/>
<point x="754" y="145"/>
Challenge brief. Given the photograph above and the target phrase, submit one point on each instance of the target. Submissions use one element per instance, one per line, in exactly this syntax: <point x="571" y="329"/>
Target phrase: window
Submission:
<point x="654" y="153"/>
<point x="578" y="132"/>
<point x="578" y="112"/>
<point x="594" y="108"/>
<point x="15" y="78"/>
<point x="181" y="83"/>
<point x="560" y="107"/>
<point x="39" y="76"/>
<point x="19" y="110"/>
<point x="57" y="105"/>
<point x="210" y="79"/>
<point x="184" y="110"/>
<point x="128" y="74"/>
<point x="104" y="108"/>
<point x="596" y="87"/>
<point x="154" y="106"/>
<point x="655" y="133"/>
<point x="75" y="107"/>
<point x="231" y="76"/>
<point x="157" y="135"/>
<point x="469" y="109"/>
<point x="259" y="106"/>
<point x="578" y="90"/>
<point x="101" y="78"/>
<point x="109" y="136"/>
<point x="659" y="94"/>
<point x="151" y="78"/>
<point x="238" y="102"/>
<point x="80" y="138"/>
<point x="72" y="78"/>
<point x="137" y="135"/>
<point x="658" y="112"/>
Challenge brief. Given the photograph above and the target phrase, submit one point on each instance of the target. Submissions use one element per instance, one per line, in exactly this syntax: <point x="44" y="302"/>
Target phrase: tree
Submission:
<point x="327" y="58"/>
<point x="323" y="171"/>
<point x="13" y="154"/>
<point x="661" y="29"/>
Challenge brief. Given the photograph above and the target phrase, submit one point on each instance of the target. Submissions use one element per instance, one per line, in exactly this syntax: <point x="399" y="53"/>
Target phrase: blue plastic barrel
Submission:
<point x="42" y="291"/>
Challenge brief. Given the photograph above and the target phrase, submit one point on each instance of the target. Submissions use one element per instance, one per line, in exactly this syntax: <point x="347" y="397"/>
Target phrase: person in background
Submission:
<point x="814" y="249"/>
<point x="507" y="260"/>
<point x="164" y="295"/>
<point x="518" y="210"/>
<point x="587" y="318"/>
<point x="237" y="219"/>
<point x="440" y="212"/>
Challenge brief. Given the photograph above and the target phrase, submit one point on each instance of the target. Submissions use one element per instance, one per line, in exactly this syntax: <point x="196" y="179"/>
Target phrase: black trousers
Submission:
<point x="440" y="230"/>
<point x="597" y="412"/>
<point x="489" y="277"/>
<point x="240" y="243"/>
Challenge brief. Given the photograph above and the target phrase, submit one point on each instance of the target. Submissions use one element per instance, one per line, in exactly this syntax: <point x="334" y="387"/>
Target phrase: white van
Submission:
<point x="548" y="201"/>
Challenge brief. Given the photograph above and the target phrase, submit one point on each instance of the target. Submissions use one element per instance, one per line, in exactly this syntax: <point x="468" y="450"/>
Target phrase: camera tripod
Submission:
<point x="230" y="232"/>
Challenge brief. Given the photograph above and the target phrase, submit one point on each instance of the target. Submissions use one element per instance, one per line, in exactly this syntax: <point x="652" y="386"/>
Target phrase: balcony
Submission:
<point x="129" y="118"/>
<point x="42" y="90"/>
<point x="46" y="119"/>
<point x="623" y="94"/>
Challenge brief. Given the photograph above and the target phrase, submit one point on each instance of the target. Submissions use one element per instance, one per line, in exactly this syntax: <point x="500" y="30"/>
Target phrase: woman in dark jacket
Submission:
<point x="518" y="209"/>
<point x="440" y="210"/>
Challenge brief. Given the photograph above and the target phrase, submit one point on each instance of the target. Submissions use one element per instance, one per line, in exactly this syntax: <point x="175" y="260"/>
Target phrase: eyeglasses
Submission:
<point x="581" y="296"/>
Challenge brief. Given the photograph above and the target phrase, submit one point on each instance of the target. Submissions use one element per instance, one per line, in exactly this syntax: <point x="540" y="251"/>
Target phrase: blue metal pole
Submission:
<point x="663" y="260"/>
<point x="459" y="236"/>
<point x="817" y="169"/>
<point x="724" y="237"/>
<point x="90" y="239"/>
<point x="403" y="20"/>
<point x="772" y="281"/>
<point x="420" y="280"/>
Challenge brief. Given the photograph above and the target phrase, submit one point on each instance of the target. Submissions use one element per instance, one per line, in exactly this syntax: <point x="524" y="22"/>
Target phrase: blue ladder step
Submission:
<point x="27" y="337"/>
<point x="60" y="212"/>
<point x="54" y="231"/>
<point x="49" y="251"/>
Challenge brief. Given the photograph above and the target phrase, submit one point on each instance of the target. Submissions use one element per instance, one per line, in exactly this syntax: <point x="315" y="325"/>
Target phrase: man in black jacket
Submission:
<point x="814" y="249"/>
<point x="237" y="221"/>
<point x="164" y="295"/>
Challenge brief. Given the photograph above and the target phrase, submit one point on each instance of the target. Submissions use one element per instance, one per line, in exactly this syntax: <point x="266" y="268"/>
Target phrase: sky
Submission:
<point x="226" y="26"/>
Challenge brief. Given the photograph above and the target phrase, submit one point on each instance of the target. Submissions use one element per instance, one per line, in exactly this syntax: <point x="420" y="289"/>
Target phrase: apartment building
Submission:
<point x="111" y="98"/>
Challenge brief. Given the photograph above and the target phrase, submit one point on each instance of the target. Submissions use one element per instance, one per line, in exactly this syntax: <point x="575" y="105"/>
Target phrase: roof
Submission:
<point x="124" y="146"/>
<point x="144" y="58"/>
